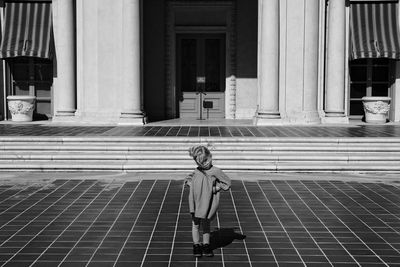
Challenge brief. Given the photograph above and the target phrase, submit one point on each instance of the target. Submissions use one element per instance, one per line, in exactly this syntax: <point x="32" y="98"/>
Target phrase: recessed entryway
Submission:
<point x="200" y="77"/>
<point x="200" y="41"/>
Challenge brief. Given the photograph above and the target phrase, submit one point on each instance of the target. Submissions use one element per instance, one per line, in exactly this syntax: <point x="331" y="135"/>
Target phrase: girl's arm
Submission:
<point x="223" y="182"/>
<point x="188" y="179"/>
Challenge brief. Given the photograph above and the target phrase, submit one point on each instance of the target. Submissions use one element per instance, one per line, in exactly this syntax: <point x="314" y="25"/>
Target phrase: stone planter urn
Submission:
<point x="376" y="108"/>
<point x="21" y="107"/>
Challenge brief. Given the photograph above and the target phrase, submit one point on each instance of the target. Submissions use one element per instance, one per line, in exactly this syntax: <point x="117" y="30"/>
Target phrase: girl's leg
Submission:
<point x="197" y="251"/>
<point x="206" y="238"/>
<point x="195" y="229"/>
<point x="195" y="233"/>
<point x="206" y="231"/>
<point x="207" y="251"/>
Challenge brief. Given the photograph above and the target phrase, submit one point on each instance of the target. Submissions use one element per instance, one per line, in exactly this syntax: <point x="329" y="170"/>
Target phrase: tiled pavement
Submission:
<point x="133" y="222"/>
<point x="391" y="130"/>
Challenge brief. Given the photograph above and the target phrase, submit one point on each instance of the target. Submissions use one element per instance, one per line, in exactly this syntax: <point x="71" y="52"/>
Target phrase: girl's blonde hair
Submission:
<point x="201" y="155"/>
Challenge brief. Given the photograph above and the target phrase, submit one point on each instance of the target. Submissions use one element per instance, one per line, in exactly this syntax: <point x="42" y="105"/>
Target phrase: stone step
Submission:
<point x="218" y="155"/>
<point x="171" y="154"/>
<point x="184" y="140"/>
<point x="140" y="166"/>
<point x="213" y="147"/>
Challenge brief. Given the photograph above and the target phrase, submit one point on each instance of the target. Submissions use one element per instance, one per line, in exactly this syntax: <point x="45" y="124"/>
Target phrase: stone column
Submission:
<point x="395" y="94"/>
<point x="268" y="62"/>
<point x="131" y="102"/>
<point x="64" y="86"/>
<point x="335" y="65"/>
<point x="311" y="50"/>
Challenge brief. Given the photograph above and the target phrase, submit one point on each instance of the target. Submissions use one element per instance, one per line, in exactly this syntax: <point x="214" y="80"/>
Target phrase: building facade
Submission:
<point x="131" y="61"/>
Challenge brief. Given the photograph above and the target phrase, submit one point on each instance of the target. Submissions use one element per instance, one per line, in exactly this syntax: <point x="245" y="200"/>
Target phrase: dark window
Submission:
<point x="368" y="77"/>
<point x="32" y="76"/>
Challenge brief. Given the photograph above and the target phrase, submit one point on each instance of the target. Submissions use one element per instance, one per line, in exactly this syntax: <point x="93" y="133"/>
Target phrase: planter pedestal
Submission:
<point x="376" y="108"/>
<point x="21" y="107"/>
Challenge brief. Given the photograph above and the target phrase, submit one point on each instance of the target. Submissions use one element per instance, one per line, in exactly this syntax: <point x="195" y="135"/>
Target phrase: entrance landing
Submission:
<point x="198" y="122"/>
<point x="154" y="130"/>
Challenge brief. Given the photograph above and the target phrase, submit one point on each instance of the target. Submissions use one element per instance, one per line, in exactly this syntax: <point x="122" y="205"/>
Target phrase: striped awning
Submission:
<point x="374" y="30"/>
<point x="27" y="30"/>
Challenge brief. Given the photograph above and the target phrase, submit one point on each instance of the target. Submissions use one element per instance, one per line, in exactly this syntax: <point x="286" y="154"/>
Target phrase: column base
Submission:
<point x="335" y="120"/>
<point x="132" y="118"/>
<point x="302" y="117"/>
<point x="265" y="118"/>
<point x="335" y="116"/>
<point x="65" y="113"/>
<point x="64" y="116"/>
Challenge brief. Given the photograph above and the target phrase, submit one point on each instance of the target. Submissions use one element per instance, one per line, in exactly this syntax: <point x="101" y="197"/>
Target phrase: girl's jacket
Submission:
<point x="204" y="194"/>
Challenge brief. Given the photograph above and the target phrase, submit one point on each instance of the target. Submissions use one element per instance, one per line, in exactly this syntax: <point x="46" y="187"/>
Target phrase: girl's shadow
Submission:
<point x="223" y="237"/>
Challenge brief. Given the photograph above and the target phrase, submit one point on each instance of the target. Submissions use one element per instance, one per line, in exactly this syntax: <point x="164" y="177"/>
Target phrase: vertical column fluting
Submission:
<point x="64" y="86"/>
<point x="268" y="61"/>
<point x="131" y="100"/>
<point x="335" y="66"/>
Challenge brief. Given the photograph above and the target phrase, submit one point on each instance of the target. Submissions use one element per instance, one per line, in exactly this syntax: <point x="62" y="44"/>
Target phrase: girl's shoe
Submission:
<point x="207" y="251"/>
<point x="197" y="251"/>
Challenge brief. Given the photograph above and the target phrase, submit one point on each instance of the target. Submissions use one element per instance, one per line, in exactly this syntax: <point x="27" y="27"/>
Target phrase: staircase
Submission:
<point x="146" y="154"/>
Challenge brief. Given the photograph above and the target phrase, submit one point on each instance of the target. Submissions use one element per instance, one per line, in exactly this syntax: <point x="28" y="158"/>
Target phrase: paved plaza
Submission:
<point x="78" y="219"/>
<point x="141" y="219"/>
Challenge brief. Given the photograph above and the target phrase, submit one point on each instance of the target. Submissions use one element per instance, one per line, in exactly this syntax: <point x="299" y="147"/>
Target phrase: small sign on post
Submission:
<point x="201" y="79"/>
<point x="207" y="105"/>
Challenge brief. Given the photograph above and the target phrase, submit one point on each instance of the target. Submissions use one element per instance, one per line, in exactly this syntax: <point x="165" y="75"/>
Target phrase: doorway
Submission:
<point x="200" y="75"/>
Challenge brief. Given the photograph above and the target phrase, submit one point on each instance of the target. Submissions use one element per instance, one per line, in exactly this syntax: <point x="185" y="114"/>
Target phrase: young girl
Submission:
<point x="205" y="184"/>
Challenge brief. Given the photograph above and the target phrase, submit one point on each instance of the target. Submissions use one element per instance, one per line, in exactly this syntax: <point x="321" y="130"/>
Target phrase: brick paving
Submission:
<point x="134" y="222"/>
<point x="391" y="130"/>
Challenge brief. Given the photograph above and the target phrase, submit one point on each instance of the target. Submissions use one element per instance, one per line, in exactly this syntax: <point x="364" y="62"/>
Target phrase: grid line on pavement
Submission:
<point x="92" y="223"/>
<point x="240" y="227"/>
<point x="155" y="223"/>
<point x="302" y="224"/>
<point x="222" y="249"/>
<point x="357" y="236"/>
<point x="362" y="204"/>
<point x="176" y="226"/>
<point x="76" y="200"/>
<point x="9" y="188"/>
<point x="33" y="205"/>
<point x="115" y="220"/>
<point x="72" y="221"/>
<point x="324" y="225"/>
<point x="383" y="196"/>
<point x="134" y="223"/>
<point x="391" y="189"/>
<point x="14" y="195"/>
<point x="363" y="220"/>
<point x="23" y="200"/>
<point x="259" y="221"/>
<point x="336" y="216"/>
<point x="37" y="234"/>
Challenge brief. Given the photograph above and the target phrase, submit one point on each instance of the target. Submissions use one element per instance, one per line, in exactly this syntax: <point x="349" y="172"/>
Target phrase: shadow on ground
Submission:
<point x="223" y="237"/>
